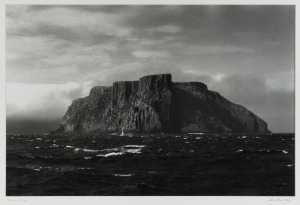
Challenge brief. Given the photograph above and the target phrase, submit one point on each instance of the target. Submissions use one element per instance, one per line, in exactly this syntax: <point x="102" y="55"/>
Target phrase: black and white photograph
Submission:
<point x="150" y="100"/>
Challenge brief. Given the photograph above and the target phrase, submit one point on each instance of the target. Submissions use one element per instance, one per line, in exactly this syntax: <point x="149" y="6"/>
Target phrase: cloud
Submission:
<point x="129" y="71"/>
<point x="150" y="54"/>
<point x="283" y="81"/>
<point x="220" y="49"/>
<point x="90" y="22"/>
<point x="42" y="59"/>
<point x="42" y="101"/>
<point x="171" y="29"/>
<point x="198" y="73"/>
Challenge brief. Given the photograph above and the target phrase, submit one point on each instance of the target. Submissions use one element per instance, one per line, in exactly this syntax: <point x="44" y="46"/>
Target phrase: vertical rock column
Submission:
<point x="122" y="91"/>
<point x="155" y="92"/>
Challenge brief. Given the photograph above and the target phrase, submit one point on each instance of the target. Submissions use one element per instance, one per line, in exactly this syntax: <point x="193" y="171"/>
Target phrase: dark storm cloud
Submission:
<point x="244" y="52"/>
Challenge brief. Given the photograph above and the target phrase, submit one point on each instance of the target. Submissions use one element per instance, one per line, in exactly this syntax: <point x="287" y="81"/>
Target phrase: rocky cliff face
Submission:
<point x="156" y="104"/>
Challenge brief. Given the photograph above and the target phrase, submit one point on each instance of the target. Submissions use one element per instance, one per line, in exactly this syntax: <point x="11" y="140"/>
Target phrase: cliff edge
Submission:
<point x="155" y="104"/>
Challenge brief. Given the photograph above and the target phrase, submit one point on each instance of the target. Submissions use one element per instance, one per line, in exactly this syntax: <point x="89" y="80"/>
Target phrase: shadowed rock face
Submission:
<point x="156" y="104"/>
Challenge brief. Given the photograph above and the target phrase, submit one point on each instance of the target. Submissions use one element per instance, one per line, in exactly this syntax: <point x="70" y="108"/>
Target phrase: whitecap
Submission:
<point x="48" y="157"/>
<point x="244" y="136"/>
<point x="77" y="149"/>
<point x="110" y="150"/>
<point x="133" y="151"/>
<point x="71" y="147"/>
<point x="87" y="157"/>
<point x="32" y="167"/>
<point x="196" y="133"/>
<point x="136" y="146"/>
<point x="122" y="175"/>
<point x="28" y="156"/>
<point x="240" y="150"/>
<point x="37" y="147"/>
<point x="290" y="165"/>
<point x="85" y="150"/>
<point x="110" y="154"/>
<point x="84" y="168"/>
<point x="284" y="151"/>
<point x="90" y="150"/>
<point x="54" y="145"/>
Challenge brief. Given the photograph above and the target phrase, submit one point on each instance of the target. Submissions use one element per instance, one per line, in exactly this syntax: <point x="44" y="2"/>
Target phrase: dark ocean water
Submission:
<point x="203" y="165"/>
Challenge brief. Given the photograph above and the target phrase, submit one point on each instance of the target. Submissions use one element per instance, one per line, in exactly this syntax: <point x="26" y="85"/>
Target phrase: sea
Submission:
<point x="151" y="165"/>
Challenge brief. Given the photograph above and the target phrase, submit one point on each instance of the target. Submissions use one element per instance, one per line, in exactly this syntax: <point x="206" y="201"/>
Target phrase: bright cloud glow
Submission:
<point x="42" y="101"/>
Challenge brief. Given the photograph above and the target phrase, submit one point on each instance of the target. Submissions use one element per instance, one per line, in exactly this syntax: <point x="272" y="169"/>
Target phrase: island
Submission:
<point x="155" y="104"/>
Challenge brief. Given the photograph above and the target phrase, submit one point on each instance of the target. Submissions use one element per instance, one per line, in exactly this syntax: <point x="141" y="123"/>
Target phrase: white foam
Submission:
<point x="122" y="175"/>
<point x="90" y="150"/>
<point x="85" y="150"/>
<point x="110" y="150"/>
<point x="84" y="168"/>
<point x="77" y="149"/>
<point x="133" y="151"/>
<point x="29" y="156"/>
<point x="32" y="167"/>
<point x="137" y="146"/>
<point x="110" y="154"/>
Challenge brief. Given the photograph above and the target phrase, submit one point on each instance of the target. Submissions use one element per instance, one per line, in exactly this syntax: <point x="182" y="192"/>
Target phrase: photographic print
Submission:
<point x="150" y="100"/>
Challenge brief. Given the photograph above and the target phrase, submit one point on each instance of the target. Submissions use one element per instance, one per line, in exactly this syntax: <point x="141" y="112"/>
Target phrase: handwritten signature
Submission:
<point x="279" y="199"/>
<point x="16" y="200"/>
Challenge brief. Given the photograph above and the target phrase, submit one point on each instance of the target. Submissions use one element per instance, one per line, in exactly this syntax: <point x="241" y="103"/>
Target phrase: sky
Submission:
<point x="55" y="54"/>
